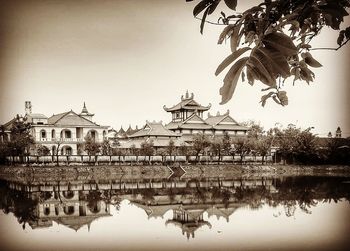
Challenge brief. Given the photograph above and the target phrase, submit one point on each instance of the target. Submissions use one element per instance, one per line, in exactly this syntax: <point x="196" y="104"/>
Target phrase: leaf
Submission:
<point x="200" y="7"/>
<point x="250" y="76"/>
<point x="262" y="68"/>
<point x="276" y="100"/>
<point x="282" y="96"/>
<point x="278" y="62"/>
<point x="227" y="61"/>
<point x="265" y="97"/>
<point x="203" y="20"/>
<point x="280" y="42"/>
<point x="253" y="10"/>
<point x="231" y="79"/>
<point x="213" y="6"/>
<point x="310" y="60"/>
<point x="235" y="38"/>
<point x="232" y="4"/>
<point x="341" y="37"/>
<point x="226" y="32"/>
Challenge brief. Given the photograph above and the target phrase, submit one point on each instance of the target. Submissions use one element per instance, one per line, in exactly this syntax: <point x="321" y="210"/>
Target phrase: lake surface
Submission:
<point x="187" y="213"/>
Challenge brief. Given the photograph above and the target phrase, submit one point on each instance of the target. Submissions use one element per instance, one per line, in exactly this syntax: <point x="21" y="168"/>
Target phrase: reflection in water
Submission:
<point x="75" y="204"/>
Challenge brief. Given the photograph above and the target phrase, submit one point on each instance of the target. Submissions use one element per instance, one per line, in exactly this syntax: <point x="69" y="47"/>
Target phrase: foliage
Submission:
<point x="147" y="148"/>
<point x="106" y="147"/>
<point x="242" y="146"/>
<point x="200" y="142"/>
<point x="21" y="139"/>
<point x="43" y="150"/>
<point x="183" y="149"/>
<point x="91" y="147"/>
<point x="277" y="35"/>
<point x="170" y="147"/>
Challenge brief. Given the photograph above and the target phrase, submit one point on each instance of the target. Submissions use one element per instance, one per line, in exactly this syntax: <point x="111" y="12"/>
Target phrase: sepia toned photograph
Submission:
<point x="174" y="125"/>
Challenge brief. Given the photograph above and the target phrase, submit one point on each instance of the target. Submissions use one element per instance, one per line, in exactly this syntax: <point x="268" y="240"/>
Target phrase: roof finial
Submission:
<point x="84" y="110"/>
<point x="187" y="94"/>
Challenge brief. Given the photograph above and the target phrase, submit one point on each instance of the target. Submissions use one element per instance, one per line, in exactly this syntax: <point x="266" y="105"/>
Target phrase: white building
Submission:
<point x="65" y="131"/>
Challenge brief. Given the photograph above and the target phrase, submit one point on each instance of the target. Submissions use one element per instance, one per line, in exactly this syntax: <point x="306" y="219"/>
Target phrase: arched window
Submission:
<point x="46" y="211"/>
<point x="53" y="134"/>
<point x="93" y="135"/>
<point x="66" y="134"/>
<point x="43" y="134"/>
<point x="68" y="210"/>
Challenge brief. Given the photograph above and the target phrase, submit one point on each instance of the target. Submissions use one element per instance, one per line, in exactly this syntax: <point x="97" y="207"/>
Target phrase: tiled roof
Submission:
<point x="187" y="103"/>
<point x="154" y="129"/>
<point x="54" y="118"/>
<point x="70" y="118"/>
<point x="231" y="127"/>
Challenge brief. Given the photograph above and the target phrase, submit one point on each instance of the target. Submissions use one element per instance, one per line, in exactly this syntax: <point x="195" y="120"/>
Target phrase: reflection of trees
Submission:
<point x="19" y="203"/>
<point x="291" y="193"/>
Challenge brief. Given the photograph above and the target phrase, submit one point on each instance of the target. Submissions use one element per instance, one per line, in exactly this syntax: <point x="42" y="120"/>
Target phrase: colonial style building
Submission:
<point x="65" y="131"/>
<point x="187" y="119"/>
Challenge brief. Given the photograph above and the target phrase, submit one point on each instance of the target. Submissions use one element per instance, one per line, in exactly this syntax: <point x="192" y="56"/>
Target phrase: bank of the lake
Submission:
<point x="163" y="171"/>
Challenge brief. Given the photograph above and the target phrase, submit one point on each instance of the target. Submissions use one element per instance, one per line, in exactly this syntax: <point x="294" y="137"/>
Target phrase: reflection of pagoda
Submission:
<point x="188" y="220"/>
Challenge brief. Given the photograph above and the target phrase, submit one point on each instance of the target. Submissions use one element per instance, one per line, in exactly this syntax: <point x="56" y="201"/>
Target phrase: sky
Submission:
<point x="127" y="59"/>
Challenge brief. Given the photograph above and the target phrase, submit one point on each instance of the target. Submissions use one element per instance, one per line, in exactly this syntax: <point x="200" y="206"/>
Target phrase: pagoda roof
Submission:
<point x="85" y="111"/>
<point x="187" y="103"/>
<point x="154" y="129"/>
<point x="192" y="122"/>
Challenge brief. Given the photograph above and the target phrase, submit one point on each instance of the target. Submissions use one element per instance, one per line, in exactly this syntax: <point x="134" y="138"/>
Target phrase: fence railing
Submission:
<point x="104" y="159"/>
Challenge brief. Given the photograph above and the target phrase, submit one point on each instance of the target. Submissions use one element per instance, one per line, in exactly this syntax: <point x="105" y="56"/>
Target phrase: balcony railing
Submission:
<point x="60" y="140"/>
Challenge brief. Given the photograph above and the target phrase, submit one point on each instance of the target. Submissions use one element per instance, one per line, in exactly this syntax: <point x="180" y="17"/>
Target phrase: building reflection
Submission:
<point x="193" y="203"/>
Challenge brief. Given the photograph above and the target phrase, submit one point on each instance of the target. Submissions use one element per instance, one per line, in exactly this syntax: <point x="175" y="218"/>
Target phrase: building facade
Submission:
<point x="64" y="131"/>
<point x="187" y="120"/>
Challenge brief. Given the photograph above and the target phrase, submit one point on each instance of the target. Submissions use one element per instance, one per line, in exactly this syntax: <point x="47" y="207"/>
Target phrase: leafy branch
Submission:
<point x="277" y="34"/>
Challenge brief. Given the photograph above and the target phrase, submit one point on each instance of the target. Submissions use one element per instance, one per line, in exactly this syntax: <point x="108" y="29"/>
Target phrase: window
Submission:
<point x="177" y="115"/>
<point x="43" y="134"/>
<point x="67" y="134"/>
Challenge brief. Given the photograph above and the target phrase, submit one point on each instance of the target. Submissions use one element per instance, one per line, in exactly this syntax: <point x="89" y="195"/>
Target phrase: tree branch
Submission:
<point x="209" y="21"/>
<point x="332" y="49"/>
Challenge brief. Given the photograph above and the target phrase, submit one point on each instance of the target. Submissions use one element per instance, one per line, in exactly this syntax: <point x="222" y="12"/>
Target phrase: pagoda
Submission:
<point x="185" y="108"/>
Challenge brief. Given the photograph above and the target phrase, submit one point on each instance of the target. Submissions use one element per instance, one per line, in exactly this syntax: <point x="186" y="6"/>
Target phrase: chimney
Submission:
<point x="28" y="107"/>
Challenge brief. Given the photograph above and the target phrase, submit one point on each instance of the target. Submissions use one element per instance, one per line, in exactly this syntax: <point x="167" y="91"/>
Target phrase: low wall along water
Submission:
<point x="113" y="160"/>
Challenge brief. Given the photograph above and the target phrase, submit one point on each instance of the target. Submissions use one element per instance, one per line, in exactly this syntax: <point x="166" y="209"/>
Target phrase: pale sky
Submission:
<point x="126" y="59"/>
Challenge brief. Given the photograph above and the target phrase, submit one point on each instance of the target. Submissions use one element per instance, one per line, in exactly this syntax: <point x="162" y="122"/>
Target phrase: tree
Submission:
<point x="277" y="34"/>
<point x="43" y="150"/>
<point x="171" y="147"/>
<point x="147" y="149"/>
<point x="242" y="146"/>
<point x="200" y="142"/>
<point x="91" y="147"/>
<point x="184" y="150"/>
<point x="216" y="145"/>
<point x="226" y="143"/>
<point x="106" y="147"/>
<point x="21" y="139"/>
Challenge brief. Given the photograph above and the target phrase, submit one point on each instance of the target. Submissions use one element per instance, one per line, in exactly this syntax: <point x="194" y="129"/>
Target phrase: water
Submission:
<point x="187" y="213"/>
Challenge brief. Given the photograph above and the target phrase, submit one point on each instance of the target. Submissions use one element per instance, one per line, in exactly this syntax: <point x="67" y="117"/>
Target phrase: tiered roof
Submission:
<point x="218" y="122"/>
<point x="187" y="103"/>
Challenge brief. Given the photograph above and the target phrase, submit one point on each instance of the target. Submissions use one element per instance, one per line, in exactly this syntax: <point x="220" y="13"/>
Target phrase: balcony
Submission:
<point x="67" y="140"/>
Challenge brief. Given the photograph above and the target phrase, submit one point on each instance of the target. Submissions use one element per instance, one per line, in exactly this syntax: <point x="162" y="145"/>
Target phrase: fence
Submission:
<point x="132" y="159"/>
